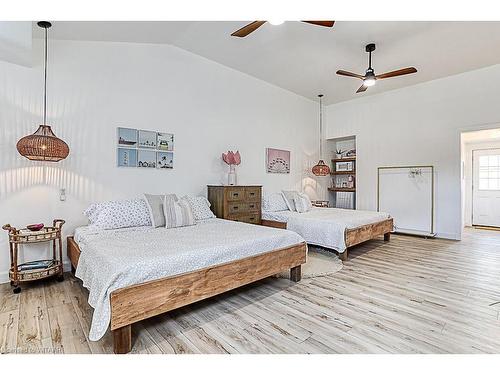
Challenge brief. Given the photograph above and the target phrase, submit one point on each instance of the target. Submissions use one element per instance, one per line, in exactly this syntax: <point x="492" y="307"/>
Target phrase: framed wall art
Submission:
<point x="277" y="161"/>
<point x="144" y="149"/>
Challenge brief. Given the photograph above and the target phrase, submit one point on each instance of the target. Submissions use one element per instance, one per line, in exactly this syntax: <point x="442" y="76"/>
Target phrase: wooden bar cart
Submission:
<point x="31" y="271"/>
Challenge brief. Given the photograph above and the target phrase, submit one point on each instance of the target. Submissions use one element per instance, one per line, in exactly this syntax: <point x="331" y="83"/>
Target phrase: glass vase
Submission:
<point x="231" y="176"/>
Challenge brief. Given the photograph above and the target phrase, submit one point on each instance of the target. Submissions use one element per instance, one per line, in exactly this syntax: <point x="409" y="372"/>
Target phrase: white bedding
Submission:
<point x="325" y="226"/>
<point x="112" y="259"/>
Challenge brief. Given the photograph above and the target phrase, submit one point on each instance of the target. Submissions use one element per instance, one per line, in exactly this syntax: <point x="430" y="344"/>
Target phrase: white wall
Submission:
<point x="420" y="124"/>
<point x="95" y="87"/>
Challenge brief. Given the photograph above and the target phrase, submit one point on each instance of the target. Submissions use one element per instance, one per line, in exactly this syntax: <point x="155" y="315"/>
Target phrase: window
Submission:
<point x="489" y="172"/>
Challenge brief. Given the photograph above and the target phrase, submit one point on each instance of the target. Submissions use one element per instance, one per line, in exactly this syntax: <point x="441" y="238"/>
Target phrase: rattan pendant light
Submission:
<point x="43" y="144"/>
<point x="321" y="169"/>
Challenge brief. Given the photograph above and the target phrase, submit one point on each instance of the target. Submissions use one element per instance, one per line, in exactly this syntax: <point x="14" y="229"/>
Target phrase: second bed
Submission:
<point x="332" y="228"/>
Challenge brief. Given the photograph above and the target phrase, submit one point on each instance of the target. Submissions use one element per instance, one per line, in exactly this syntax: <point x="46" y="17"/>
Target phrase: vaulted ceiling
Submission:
<point x="304" y="58"/>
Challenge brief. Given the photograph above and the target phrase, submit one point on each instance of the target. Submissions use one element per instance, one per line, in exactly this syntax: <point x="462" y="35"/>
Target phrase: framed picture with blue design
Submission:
<point x="127" y="157"/>
<point x="145" y="149"/>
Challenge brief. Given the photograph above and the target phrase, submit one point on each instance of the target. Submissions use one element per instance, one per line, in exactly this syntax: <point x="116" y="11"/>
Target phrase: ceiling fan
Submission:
<point x="370" y="78"/>
<point x="252" y="26"/>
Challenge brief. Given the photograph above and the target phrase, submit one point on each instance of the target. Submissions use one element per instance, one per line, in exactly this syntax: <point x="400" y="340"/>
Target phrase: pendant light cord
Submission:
<point x="45" y="82"/>
<point x="320" y="126"/>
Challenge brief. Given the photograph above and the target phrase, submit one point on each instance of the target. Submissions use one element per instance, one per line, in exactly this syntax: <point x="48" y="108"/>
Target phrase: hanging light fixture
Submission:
<point x="43" y="144"/>
<point x="320" y="169"/>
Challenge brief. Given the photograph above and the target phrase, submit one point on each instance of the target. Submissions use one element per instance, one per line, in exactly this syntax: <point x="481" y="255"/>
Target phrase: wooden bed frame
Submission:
<point x="145" y="300"/>
<point x="353" y="236"/>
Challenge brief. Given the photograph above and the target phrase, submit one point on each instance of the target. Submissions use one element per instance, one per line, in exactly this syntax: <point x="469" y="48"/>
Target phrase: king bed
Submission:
<point x="136" y="273"/>
<point x="332" y="228"/>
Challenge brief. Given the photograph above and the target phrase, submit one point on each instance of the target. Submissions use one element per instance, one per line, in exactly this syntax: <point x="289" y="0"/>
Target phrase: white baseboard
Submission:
<point x="4" y="275"/>
<point x="449" y="236"/>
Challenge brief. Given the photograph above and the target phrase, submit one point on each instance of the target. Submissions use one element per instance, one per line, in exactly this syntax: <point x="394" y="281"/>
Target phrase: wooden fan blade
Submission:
<point x="362" y="89"/>
<point x="247" y="29"/>
<point x="321" y="23"/>
<point x="349" y="74"/>
<point x="395" y="73"/>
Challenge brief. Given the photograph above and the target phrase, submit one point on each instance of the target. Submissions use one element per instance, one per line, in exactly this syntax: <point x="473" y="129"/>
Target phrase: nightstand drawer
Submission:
<point x="252" y="193"/>
<point x="248" y="218"/>
<point x="253" y="206"/>
<point x="253" y="219"/>
<point x="236" y="207"/>
<point x="235" y="194"/>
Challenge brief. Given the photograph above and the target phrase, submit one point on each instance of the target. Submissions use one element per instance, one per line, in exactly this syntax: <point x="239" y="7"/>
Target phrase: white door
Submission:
<point x="486" y="187"/>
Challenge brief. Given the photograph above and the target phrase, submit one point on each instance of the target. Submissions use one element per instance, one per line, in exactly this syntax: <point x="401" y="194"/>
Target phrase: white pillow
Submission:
<point x="302" y="203"/>
<point x="155" y="207"/>
<point x="200" y="207"/>
<point x="274" y="202"/>
<point x="289" y="195"/>
<point x="177" y="212"/>
<point x="119" y="214"/>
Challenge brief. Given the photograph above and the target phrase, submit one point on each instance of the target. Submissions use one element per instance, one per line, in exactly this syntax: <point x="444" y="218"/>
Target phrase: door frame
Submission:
<point x="473" y="187"/>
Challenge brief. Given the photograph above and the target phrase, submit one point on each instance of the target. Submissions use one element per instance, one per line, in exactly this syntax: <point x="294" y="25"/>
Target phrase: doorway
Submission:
<point x="486" y="187"/>
<point x="481" y="178"/>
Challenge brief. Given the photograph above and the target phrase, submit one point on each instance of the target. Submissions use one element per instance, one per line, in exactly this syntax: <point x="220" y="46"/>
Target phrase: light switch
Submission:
<point x="62" y="194"/>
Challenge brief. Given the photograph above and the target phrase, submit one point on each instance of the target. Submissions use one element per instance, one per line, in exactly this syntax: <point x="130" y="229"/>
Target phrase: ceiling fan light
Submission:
<point x="369" y="81"/>
<point x="276" y="22"/>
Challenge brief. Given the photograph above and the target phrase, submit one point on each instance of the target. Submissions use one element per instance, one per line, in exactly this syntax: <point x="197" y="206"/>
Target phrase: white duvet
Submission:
<point x="113" y="259"/>
<point x="325" y="226"/>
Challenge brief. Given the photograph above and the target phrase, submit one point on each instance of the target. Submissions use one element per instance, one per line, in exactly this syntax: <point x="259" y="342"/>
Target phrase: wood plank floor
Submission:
<point x="410" y="295"/>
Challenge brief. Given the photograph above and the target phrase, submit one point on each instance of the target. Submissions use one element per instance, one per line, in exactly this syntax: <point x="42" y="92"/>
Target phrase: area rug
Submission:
<point x="320" y="262"/>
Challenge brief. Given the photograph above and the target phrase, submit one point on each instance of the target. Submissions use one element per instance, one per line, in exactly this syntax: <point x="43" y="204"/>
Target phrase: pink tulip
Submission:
<point x="231" y="158"/>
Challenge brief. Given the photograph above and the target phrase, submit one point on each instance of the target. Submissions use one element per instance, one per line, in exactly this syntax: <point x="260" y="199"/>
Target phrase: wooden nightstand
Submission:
<point x="238" y="203"/>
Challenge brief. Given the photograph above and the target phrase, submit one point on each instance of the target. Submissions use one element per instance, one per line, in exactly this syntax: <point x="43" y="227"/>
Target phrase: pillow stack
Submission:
<point x="200" y="207"/>
<point x="177" y="212"/>
<point x="302" y="203"/>
<point x="296" y="201"/>
<point x="164" y="210"/>
<point x="274" y="203"/>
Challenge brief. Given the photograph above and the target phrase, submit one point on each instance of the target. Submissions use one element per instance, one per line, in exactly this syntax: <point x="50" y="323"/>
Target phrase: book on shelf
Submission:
<point x="36" y="265"/>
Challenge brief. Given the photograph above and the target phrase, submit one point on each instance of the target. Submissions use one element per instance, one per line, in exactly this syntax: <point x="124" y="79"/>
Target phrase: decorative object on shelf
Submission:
<point x="350" y="153"/>
<point x="321" y="169"/>
<point x="43" y="145"/>
<point x="39" y="269"/>
<point x="277" y="161"/>
<point x="145" y="149"/>
<point x="346" y="166"/>
<point x="35" y="227"/>
<point x="320" y="203"/>
<point x="232" y="159"/>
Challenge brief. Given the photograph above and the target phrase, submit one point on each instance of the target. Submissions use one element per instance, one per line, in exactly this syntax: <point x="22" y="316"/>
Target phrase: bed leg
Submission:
<point x="122" y="340"/>
<point x="296" y="273"/>
<point x="343" y="256"/>
<point x="73" y="270"/>
<point x="387" y="236"/>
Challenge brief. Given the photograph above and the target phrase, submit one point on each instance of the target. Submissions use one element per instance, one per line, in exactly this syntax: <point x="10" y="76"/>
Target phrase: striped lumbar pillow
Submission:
<point x="177" y="212"/>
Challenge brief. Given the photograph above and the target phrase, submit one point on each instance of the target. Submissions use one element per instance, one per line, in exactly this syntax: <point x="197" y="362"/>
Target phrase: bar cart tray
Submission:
<point x="25" y="235"/>
<point x="37" y="273"/>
